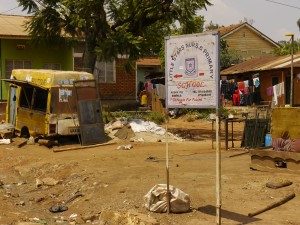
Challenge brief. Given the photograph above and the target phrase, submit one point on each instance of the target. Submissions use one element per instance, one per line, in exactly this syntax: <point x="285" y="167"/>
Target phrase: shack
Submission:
<point x="268" y="71"/>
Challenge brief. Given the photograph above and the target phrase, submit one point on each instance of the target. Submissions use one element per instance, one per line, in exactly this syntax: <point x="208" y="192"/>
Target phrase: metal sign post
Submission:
<point x="192" y="81"/>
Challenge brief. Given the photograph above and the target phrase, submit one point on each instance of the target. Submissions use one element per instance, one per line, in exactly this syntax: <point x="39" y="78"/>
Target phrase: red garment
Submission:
<point x="241" y="85"/>
<point x="236" y="98"/>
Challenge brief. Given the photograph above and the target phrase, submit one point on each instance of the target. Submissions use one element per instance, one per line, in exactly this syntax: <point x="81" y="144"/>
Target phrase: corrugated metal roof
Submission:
<point x="13" y="26"/>
<point x="149" y="62"/>
<point x="263" y="63"/>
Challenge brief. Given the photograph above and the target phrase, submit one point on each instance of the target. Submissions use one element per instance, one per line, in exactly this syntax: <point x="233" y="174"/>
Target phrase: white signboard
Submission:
<point x="192" y="70"/>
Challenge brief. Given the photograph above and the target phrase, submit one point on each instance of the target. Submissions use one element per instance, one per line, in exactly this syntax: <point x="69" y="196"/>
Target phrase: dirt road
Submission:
<point x="113" y="183"/>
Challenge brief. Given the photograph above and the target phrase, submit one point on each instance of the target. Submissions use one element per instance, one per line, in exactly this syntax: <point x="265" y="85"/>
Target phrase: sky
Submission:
<point x="274" y="20"/>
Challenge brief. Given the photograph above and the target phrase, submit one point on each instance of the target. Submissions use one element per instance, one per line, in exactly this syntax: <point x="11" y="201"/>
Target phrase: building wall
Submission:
<point x="39" y="55"/>
<point x="248" y="43"/>
<point x="284" y="76"/>
<point x="266" y="81"/>
<point x="123" y="90"/>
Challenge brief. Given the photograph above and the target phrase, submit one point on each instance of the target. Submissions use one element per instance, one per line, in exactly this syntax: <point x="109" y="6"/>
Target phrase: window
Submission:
<point x="26" y="96"/>
<point x="51" y="66"/>
<point x="33" y="98"/>
<point x="16" y="64"/>
<point x="40" y="99"/>
<point x="105" y="72"/>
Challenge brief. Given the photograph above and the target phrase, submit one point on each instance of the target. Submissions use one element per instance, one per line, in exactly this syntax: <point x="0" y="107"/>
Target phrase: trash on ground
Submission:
<point x="5" y="141"/>
<point x="125" y="147"/>
<point x="156" y="199"/>
<point x="58" y="208"/>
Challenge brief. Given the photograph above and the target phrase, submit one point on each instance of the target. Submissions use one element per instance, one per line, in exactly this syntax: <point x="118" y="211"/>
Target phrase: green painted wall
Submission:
<point x="37" y="54"/>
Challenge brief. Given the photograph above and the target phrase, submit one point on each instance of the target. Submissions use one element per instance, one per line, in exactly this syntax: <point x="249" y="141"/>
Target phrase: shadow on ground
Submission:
<point x="242" y="219"/>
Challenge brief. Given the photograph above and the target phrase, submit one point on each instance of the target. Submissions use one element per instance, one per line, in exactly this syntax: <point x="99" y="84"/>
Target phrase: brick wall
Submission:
<point x="124" y="88"/>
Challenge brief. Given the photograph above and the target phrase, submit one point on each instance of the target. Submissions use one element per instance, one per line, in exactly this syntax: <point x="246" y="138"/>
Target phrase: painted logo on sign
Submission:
<point x="190" y="66"/>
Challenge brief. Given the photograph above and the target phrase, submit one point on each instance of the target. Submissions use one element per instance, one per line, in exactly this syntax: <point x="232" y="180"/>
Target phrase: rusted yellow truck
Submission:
<point x="43" y="102"/>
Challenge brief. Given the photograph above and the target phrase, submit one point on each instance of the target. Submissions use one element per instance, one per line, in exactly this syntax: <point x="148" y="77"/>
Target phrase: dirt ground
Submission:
<point x="113" y="183"/>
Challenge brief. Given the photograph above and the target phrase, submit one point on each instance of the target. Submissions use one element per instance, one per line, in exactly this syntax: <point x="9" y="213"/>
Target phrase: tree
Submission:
<point x="212" y="26"/>
<point x="110" y="27"/>
<point x="286" y="47"/>
<point x="228" y="57"/>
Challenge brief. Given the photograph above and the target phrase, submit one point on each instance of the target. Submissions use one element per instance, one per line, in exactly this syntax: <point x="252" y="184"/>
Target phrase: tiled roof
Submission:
<point x="13" y="26"/>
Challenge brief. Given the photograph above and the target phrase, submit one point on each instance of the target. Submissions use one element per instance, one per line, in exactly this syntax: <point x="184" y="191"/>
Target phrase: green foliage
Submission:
<point x="228" y="57"/>
<point x="212" y="26"/>
<point x="156" y="117"/>
<point x="285" y="47"/>
<point x="132" y="27"/>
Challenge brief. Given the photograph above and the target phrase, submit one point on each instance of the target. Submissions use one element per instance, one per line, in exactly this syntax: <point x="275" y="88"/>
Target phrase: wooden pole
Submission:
<point x="218" y="170"/>
<point x="167" y="170"/>
<point x="273" y="205"/>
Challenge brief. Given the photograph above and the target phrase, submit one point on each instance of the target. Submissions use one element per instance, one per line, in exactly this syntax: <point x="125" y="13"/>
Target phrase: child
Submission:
<point x="144" y="98"/>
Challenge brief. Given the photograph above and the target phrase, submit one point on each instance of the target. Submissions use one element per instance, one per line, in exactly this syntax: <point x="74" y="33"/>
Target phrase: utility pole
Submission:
<point x="292" y="69"/>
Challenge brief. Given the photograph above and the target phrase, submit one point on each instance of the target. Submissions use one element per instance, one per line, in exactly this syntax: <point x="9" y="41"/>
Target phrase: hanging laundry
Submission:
<point x="270" y="91"/>
<point x="160" y="88"/>
<point x="241" y="85"/>
<point x="281" y="89"/>
<point x="256" y="82"/>
<point x="275" y="94"/>
<point x="246" y="83"/>
<point x="236" y="98"/>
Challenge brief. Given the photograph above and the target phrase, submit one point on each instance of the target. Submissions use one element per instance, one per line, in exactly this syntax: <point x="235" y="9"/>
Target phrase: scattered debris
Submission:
<point x="156" y="201"/>
<point x="58" y="208"/>
<point x="152" y="159"/>
<point x="73" y="217"/>
<point x="125" y="147"/>
<point x="279" y="184"/>
<point x="6" y="130"/>
<point x="90" y="217"/>
<point x="31" y="141"/>
<point x="48" y="181"/>
<point x="125" y="133"/>
<point x="38" y="183"/>
<point x="61" y="207"/>
<point x="20" y="142"/>
<point x="48" y="143"/>
<point x="39" y="199"/>
<point x="21" y="203"/>
<point x="273" y="205"/>
<point x="5" y="141"/>
<point x="138" y="125"/>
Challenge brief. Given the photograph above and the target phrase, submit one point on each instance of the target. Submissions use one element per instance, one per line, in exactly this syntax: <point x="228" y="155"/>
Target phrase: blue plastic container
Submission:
<point x="268" y="140"/>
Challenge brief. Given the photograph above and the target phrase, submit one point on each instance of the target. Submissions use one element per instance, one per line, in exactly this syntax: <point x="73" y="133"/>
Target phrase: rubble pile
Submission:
<point x="138" y="130"/>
